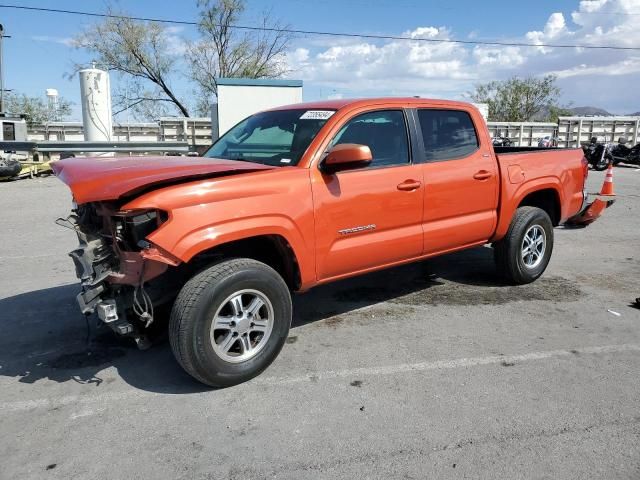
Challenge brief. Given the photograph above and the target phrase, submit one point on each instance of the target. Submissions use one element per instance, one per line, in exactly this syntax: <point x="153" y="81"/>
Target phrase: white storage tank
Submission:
<point x="95" y="95"/>
<point x="52" y="105"/>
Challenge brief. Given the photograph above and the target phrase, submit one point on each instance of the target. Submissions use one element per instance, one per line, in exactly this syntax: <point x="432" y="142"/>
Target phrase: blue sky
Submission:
<point x="38" y="55"/>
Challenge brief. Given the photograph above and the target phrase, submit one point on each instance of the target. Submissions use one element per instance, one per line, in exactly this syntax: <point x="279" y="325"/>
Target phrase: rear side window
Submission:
<point x="384" y="132"/>
<point x="447" y="134"/>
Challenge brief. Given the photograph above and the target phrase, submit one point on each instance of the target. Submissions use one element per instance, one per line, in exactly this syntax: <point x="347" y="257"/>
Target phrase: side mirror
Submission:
<point x="346" y="156"/>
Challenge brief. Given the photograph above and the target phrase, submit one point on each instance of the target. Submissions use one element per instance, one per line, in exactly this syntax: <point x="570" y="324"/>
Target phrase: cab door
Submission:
<point x="461" y="180"/>
<point x="370" y="216"/>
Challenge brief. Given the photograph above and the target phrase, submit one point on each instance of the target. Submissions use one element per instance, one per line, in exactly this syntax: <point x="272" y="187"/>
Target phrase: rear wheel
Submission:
<point x="230" y="321"/>
<point x="524" y="253"/>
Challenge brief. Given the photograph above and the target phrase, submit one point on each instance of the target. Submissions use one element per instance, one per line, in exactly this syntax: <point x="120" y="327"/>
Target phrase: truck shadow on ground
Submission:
<point x="45" y="337"/>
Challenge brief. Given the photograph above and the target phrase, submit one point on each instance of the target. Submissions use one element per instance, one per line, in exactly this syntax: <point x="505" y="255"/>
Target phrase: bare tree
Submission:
<point x="139" y="51"/>
<point x="519" y="99"/>
<point x="225" y="52"/>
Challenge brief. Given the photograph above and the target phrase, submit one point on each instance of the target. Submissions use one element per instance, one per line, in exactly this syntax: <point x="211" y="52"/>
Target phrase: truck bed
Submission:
<point x="527" y="169"/>
<point x="505" y="150"/>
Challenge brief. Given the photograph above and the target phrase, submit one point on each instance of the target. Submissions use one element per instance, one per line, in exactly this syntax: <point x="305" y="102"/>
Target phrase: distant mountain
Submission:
<point x="594" y="111"/>
<point x="637" y="114"/>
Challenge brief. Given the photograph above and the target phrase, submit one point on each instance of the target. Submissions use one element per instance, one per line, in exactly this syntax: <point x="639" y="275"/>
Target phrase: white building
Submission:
<point x="240" y="97"/>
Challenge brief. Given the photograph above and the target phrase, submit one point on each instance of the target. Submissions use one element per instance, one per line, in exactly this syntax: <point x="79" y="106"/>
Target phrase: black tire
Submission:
<point x="194" y="310"/>
<point x="508" y="251"/>
<point x="9" y="168"/>
<point x="600" y="166"/>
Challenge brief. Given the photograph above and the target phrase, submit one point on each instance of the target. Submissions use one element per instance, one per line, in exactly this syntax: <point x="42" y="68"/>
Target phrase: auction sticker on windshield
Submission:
<point x="317" y="114"/>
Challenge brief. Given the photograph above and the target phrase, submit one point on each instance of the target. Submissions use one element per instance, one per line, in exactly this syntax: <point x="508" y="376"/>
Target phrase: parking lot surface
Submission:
<point x="433" y="370"/>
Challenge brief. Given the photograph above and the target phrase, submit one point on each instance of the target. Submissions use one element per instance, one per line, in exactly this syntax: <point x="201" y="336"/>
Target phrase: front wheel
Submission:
<point x="524" y="253"/>
<point x="602" y="164"/>
<point x="230" y="321"/>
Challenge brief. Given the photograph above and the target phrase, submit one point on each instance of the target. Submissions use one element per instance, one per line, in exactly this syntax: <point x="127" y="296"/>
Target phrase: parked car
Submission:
<point x="296" y="197"/>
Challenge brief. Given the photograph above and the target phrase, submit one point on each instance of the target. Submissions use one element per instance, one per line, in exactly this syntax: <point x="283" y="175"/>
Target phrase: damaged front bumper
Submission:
<point x="113" y="280"/>
<point x="96" y="264"/>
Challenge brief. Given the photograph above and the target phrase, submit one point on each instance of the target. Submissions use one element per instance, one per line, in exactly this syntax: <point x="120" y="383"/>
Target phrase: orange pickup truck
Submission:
<point x="295" y="197"/>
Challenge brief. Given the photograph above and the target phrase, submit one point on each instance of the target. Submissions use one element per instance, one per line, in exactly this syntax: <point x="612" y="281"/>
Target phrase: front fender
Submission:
<point x="209" y="236"/>
<point x="209" y="213"/>
<point x="212" y="236"/>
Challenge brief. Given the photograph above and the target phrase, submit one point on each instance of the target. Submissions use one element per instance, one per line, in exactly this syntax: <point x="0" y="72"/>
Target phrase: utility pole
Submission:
<point x="2" y="90"/>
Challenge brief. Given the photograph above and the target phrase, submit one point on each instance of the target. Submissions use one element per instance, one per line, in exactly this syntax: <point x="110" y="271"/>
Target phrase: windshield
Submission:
<point x="277" y="138"/>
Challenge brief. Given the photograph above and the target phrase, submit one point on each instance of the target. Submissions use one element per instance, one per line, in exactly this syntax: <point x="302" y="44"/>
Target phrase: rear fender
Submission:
<point x="513" y="195"/>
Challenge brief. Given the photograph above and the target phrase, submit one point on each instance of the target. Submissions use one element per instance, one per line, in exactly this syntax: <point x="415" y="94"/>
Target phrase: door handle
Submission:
<point x="409" y="185"/>
<point x="482" y="175"/>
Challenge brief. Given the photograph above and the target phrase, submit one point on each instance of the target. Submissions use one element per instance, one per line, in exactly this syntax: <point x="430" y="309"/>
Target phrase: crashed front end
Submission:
<point x="120" y="272"/>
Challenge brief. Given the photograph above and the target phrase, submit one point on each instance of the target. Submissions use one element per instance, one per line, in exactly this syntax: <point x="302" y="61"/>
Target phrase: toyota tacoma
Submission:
<point x="299" y="196"/>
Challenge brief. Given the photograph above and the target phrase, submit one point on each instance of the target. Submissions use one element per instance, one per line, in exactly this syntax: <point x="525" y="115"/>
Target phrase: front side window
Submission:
<point x="447" y="134"/>
<point x="272" y="138"/>
<point x="384" y="132"/>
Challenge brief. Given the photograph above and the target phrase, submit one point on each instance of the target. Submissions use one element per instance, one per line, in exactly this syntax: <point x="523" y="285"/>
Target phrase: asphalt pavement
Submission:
<point x="433" y="370"/>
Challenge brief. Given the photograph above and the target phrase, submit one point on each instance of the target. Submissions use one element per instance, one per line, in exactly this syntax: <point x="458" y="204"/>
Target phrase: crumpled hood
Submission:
<point x="94" y="179"/>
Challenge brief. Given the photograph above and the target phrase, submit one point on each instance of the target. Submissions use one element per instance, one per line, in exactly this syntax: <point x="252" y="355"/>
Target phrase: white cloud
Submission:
<point x="300" y="55"/>
<point x="66" y="41"/>
<point x="505" y="57"/>
<point x="624" y="67"/>
<point x="385" y="67"/>
<point x="176" y="45"/>
<point x="371" y="66"/>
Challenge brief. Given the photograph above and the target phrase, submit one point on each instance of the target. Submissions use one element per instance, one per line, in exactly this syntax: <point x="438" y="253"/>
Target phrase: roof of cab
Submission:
<point x="337" y="104"/>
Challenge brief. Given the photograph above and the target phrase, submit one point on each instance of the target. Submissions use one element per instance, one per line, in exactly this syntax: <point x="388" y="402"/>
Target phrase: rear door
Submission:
<point x="461" y="180"/>
<point x="370" y="216"/>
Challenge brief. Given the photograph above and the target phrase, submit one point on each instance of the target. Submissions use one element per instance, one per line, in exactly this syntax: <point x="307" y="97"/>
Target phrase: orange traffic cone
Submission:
<point x="607" y="186"/>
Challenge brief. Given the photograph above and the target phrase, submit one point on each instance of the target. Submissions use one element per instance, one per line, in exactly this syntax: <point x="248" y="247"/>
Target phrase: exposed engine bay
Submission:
<point x="120" y="273"/>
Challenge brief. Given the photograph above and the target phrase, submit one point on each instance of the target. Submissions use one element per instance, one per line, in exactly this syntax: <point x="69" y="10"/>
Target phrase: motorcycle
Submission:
<point x="502" y="142"/>
<point x="622" y="153"/>
<point x="548" y="142"/>
<point x="598" y="154"/>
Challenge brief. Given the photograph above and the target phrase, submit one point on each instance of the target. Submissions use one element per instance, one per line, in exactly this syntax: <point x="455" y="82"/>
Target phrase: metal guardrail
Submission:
<point x="523" y="134"/>
<point x="578" y="130"/>
<point x="74" y="147"/>
<point x="195" y="131"/>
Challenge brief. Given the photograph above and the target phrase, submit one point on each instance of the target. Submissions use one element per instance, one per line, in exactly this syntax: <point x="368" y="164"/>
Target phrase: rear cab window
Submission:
<point x="447" y="134"/>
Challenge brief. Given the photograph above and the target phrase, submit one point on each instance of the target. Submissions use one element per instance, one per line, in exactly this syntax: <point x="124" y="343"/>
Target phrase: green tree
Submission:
<point x="36" y="109"/>
<point x="520" y="99"/>
<point x="555" y="112"/>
